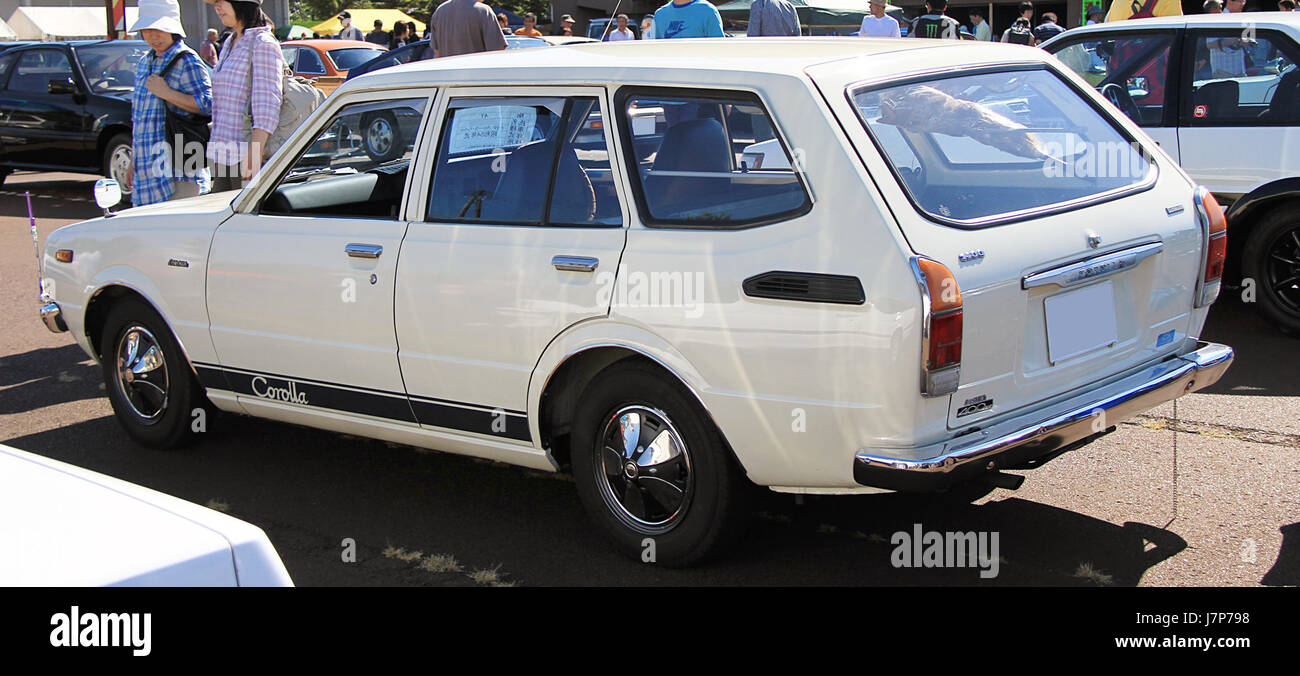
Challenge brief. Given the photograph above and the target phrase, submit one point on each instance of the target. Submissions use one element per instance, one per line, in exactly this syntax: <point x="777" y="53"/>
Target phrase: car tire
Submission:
<point x="117" y="150"/>
<point x="380" y="137"/>
<point x="674" y="503"/>
<point x="157" y="402"/>
<point x="1271" y="257"/>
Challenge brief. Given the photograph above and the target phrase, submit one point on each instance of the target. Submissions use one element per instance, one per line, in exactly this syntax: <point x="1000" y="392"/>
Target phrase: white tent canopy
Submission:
<point x="63" y="23"/>
<point x="7" y="33"/>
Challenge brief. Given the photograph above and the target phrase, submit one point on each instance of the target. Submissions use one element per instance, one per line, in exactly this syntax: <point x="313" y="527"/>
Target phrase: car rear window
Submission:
<point x="977" y="149"/>
<point x="347" y="58"/>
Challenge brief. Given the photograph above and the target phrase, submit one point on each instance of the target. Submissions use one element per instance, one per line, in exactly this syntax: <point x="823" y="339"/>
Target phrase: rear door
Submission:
<point x="1076" y="256"/>
<point x="1241" y="91"/>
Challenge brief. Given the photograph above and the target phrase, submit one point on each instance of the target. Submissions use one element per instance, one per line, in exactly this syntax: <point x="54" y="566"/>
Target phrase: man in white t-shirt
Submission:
<point x="622" y="32"/>
<point x="878" y="24"/>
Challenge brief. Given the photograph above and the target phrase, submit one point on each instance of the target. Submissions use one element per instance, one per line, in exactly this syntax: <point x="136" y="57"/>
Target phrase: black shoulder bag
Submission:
<point x="190" y="127"/>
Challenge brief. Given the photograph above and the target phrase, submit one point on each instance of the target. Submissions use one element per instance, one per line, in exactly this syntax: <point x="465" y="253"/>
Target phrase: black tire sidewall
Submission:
<point x="1254" y="261"/>
<point x="173" y="429"/>
<point x="716" y="513"/>
<point x="365" y="139"/>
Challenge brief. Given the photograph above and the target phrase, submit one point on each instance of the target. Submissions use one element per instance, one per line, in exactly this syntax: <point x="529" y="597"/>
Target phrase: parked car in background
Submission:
<point x="65" y="526"/>
<point x="1221" y="93"/>
<point x="327" y="62"/>
<point x="572" y="269"/>
<point x="66" y="106"/>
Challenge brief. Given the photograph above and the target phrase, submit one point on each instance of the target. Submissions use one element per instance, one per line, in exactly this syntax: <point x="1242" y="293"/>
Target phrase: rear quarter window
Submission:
<point x="976" y="149"/>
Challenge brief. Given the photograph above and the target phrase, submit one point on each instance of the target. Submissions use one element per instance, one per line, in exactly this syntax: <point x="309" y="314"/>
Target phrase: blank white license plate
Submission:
<point x="1080" y="321"/>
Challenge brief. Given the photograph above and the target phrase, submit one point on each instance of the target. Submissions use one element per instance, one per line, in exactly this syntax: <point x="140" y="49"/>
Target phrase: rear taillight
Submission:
<point x="941" y="327"/>
<point x="1214" y="233"/>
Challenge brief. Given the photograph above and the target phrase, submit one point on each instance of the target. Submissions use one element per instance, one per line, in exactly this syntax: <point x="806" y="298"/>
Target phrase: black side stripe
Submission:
<point x="365" y="401"/>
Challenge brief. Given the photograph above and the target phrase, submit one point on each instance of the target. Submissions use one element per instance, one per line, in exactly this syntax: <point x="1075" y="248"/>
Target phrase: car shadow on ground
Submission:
<point x="47" y="376"/>
<point x="310" y="490"/>
<point x="1262" y="350"/>
<point x="1286" y="570"/>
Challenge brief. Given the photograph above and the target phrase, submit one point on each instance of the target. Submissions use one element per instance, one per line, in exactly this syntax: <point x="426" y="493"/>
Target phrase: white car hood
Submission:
<point x="67" y="526"/>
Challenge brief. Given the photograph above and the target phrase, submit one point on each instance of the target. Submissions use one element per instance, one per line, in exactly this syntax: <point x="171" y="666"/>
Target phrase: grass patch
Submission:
<point x="1089" y="572"/>
<point x="441" y="563"/>
<point x="218" y="505"/>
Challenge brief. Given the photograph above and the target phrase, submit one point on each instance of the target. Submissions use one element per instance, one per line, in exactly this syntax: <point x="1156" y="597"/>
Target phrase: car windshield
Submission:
<point x="110" y="68"/>
<point x="974" y="149"/>
<point x="349" y="57"/>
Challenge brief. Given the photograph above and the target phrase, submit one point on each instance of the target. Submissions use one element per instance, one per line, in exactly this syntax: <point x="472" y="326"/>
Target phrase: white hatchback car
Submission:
<point x="569" y="266"/>
<point x="1221" y="94"/>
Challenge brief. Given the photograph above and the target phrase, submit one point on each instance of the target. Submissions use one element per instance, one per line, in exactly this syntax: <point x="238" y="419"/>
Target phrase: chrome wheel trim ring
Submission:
<point x="119" y="162"/>
<point x="379" y="136"/>
<point x="142" y="377"/>
<point x="643" y="469"/>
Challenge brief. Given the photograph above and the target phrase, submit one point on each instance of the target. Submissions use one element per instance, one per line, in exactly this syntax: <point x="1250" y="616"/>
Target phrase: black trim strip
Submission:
<point x="366" y="401"/>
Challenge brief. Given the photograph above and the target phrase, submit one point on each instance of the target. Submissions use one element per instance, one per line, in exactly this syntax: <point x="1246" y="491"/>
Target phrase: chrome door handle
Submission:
<point x="575" y="263"/>
<point x="364" y="250"/>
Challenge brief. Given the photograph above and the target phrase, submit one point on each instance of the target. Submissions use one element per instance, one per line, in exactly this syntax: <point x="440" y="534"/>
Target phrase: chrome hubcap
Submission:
<point x="118" y="165"/>
<point x="380" y="136"/>
<point x="644" y="473"/>
<point x="1284" y="269"/>
<point x="142" y="373"/>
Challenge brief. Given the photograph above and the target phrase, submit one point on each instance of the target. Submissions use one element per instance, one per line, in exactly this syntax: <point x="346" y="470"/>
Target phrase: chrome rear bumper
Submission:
<point x="53" y="318"/>
<point x="1020" y="440"/>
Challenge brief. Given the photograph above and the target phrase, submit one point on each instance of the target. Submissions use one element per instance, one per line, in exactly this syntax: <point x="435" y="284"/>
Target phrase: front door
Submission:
<point x="300" y="291"/>
<point x="523" y="227"/>
<point x="40" y="127"/>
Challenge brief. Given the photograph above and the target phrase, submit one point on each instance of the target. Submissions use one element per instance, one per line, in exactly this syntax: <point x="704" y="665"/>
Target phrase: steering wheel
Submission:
<point x="1118" y="95"/>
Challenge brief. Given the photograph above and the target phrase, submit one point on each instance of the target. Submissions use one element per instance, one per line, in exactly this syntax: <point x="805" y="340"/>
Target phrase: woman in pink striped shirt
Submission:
<point x="246" y="93"/>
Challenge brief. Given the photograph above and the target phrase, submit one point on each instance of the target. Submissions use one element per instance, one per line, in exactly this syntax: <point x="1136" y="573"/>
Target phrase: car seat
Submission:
<point x="693" y="145"/>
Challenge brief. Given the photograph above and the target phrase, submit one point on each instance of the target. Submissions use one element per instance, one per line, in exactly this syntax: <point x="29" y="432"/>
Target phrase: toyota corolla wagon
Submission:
<point x="965" y="261"/>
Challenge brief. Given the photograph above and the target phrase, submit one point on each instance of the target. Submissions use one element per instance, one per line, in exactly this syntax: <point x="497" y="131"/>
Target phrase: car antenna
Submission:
<point x="36" y="243"/>
<point x="612" y="18"/>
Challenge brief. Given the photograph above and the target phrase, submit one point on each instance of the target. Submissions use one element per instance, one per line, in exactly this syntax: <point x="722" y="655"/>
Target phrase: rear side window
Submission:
<point x="709" y="161"/>
<point x="975" y="149"/>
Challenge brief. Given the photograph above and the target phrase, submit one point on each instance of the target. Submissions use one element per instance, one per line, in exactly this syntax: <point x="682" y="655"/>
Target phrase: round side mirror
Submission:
<point x="107" y="193"/>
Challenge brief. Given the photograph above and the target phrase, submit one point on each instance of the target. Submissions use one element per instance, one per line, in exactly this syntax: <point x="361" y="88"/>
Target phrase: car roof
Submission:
<point x="732" y="59"/>
<point x="327" y="44"/>
<point x="1274" y="19"/>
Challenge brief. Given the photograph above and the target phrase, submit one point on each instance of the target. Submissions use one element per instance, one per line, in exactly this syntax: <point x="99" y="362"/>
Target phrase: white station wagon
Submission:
<point x="570" y="265"/>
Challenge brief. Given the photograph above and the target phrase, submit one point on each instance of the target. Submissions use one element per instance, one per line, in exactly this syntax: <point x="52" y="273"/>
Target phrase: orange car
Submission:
<point x="326" y="62"/>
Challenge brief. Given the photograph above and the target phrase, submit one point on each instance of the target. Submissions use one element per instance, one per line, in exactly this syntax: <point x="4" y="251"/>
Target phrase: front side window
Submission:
<point x="1242" y="79"/>
<point x="524" y="161"/>
<point x="1130" y="69"/>
<point x="974" y="149"/>
<point x="37" y="68"/>
<point x="355" y="167"/>
<point x="706" y="161"/>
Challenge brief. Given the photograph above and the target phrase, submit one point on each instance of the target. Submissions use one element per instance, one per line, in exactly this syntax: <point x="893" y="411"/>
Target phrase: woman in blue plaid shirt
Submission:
<point x="187" y="86"/>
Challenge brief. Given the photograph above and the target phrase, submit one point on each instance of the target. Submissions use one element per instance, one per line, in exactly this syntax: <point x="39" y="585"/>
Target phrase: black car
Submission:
<point x="66" y="106"/>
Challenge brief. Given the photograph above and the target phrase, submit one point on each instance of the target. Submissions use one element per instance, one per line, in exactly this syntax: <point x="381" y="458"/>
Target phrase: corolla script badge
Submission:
<point x="178" y="263"/>
<point x="971" y="256"/>
<point x="289" y="394"/>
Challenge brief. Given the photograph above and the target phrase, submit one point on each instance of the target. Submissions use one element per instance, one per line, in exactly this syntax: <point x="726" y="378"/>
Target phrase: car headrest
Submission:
<point x="694" y="145"/>
<point x="1220" y="98"/>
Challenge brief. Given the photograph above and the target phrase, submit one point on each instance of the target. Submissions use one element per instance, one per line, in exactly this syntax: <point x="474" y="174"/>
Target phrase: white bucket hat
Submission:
<point x="163" y="15"/>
